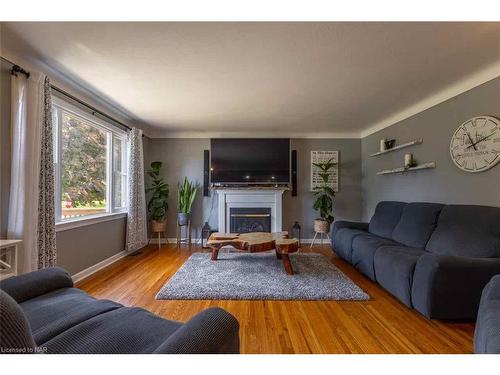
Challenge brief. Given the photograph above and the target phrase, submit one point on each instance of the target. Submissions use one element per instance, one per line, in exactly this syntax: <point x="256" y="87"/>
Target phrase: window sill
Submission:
<point x="91" y="220"/>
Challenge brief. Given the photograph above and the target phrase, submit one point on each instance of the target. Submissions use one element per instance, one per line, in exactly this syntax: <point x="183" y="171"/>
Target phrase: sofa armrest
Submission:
<point x="348" y="224"/>
<point x="36" y="283"/>
<point x="211" y="331"/>
<point x="492" y="290"/>
<point x="450" y="287"/>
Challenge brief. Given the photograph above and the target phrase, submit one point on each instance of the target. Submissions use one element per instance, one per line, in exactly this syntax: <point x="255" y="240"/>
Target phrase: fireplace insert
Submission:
<point x="250" y="219"/>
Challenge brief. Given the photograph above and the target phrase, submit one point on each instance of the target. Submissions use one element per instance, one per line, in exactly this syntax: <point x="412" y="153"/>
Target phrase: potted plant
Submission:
<point x="324" y="198"/>
<point x="158" y="205"/>
<point x="186" y="194"/>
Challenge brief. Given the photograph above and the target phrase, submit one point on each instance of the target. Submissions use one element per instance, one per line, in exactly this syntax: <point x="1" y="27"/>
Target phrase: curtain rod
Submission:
<point x="92" y="108"/>
<point x="17" y="69"/>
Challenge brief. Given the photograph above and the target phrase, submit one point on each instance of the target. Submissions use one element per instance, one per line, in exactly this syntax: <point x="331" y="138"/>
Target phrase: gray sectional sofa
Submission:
<point x="487" y="333"/>
<point x="434" y="258"/>
<point x="42" y="312"/>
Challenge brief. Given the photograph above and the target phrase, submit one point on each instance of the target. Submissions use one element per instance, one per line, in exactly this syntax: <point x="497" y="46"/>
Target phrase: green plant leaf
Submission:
<point x="156" y="165"/>
<point x="159" y="191"/>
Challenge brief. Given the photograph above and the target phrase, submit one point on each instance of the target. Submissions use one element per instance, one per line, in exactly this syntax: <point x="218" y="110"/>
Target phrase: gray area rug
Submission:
<point x="244" y="276"/>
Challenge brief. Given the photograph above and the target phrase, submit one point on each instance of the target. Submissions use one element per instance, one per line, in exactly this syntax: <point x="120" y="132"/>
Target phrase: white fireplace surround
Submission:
<point x="248" y="197"/>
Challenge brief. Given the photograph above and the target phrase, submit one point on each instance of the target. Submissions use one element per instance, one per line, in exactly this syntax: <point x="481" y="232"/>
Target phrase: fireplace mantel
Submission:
<point x="270" y="197"/>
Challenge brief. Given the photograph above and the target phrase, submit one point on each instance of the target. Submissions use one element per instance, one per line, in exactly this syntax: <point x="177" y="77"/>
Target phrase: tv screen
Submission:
<point x="254" y="161"/>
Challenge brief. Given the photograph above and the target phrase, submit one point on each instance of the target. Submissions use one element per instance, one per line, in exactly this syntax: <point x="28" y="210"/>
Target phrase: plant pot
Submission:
<point x="183" y="218"/>
<point x="159" y="225"/>
<point x="321" y="226"/>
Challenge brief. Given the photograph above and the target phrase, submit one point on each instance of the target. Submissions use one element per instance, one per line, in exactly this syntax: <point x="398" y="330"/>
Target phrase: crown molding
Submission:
<point x="455" y="89"/>
<point x="297" y="135"/>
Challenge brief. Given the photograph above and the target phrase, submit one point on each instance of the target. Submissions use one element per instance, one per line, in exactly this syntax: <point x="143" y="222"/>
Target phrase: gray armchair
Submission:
<point x="42" y="312"/>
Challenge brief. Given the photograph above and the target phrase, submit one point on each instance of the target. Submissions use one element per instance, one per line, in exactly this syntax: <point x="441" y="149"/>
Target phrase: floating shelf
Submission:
<point x="412" y="143"/>
<point x="429" y="165"/>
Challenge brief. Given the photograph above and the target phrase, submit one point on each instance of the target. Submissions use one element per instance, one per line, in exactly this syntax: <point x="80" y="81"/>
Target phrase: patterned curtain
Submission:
<point x="136" y="218"/>
<point x="46" y="231"/>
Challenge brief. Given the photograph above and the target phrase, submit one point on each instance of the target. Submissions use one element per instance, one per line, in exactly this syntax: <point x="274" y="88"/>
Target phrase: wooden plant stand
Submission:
<point x="257" y="242"/>
<point x="322" y="228"/>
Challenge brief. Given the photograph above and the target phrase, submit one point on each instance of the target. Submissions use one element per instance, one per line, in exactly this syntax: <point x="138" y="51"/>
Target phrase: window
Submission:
<point x="90" y="158"/>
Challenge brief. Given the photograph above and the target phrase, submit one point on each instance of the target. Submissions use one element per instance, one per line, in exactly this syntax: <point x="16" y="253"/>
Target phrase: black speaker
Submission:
<point x="294" y="173"/>
<point x="206" y="173"/>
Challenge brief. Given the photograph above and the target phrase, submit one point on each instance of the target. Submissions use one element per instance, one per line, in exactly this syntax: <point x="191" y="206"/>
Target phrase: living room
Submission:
<point x="250" y="187"/>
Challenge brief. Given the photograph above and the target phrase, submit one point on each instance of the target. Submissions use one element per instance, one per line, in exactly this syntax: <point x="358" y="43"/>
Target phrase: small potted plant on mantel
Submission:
<point x="186" y="194"/>
<point x="158" y="205"/>
<point x="324" y="198"/>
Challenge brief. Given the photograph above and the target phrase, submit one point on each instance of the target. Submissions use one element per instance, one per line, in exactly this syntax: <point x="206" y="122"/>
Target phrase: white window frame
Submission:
<point x="112" y="132"/>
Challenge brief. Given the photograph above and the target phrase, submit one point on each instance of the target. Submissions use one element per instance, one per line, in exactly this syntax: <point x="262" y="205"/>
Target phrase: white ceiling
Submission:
<point x="283" y="79"/>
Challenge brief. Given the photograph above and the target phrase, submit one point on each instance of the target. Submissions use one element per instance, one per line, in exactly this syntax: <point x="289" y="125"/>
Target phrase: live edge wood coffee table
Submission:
<point x="256" y="242"/>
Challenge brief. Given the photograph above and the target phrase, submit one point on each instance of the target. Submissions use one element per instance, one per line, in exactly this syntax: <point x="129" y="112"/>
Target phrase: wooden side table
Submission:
<point x="8" y="258"/>
<point x="257" y="242"/>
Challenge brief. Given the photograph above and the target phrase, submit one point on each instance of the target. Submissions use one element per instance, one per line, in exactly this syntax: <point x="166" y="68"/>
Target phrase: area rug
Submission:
<point x="243" y="276"/>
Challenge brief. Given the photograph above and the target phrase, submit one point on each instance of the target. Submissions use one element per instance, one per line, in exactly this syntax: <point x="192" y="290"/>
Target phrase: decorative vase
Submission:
<point x="159" y="225"/>
<point x="382" y="145"/>
<point x="183" y="218"/>
<point x="321" y="226"/>
<point x="408" y="160"/>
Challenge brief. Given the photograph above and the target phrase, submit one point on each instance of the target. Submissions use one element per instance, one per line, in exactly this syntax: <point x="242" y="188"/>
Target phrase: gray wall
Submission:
<point x="347" y="201"/>
<point x="83" y="247"/>
<point x="184" y="157"/>
<point x="446" y="183"/>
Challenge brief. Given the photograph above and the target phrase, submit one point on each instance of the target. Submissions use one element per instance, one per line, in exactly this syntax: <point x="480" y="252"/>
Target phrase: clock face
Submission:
<point x="475" y="145"/>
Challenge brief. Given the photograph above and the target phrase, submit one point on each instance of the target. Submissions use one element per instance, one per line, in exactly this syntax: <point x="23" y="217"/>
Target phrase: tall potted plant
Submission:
<point x="158" y="204"/>
<point x="324" y="198"/>
<point x="186" y="194"/>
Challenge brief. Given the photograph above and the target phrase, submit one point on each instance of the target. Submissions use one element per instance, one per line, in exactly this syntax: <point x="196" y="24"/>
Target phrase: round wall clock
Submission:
<point x="475" y="145"/>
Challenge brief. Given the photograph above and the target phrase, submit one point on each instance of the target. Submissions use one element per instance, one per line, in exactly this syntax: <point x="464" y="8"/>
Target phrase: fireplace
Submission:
<point x="252" y="198"/>
<point x="250" y="219"/>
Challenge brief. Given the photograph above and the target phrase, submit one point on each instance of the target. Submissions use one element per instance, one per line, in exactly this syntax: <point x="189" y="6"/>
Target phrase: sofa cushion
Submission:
<point x="342" y="242"/>
<point x="52" y="313"/>
<point x="364" y="247"/>
<point x="121" y="331"/>
<point x="468" y="231"/>
<point x="418" y="221"/>
<point x="386" y="217"/>
<point x="394" y="266"/>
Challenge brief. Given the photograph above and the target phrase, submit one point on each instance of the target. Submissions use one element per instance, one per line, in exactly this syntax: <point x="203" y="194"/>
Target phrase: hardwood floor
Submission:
<point x="381" y="325"/>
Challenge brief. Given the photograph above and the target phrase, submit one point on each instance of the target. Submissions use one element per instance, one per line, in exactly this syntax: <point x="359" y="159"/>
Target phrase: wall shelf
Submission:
<point x="408" y="144"/>
<point x="429" y="165"/>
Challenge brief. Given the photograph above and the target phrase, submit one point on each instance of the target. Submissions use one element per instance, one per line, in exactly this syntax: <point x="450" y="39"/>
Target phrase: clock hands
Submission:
<point x="471" y="142"/>
<point x="482" y="139"/>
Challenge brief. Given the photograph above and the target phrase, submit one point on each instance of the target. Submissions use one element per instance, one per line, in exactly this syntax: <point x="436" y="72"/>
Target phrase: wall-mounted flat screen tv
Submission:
<point x="250" y="161"/>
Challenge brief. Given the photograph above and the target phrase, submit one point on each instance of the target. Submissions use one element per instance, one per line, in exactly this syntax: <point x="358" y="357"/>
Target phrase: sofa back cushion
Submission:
<point x="417" y="223"/>
<point x="468" y="231"/>
<point x="387" y="215"/>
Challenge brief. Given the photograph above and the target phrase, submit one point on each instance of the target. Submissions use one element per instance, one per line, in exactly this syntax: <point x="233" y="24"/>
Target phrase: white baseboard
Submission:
<point x="96" y="267"/>
<point x="171" y="240"/>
